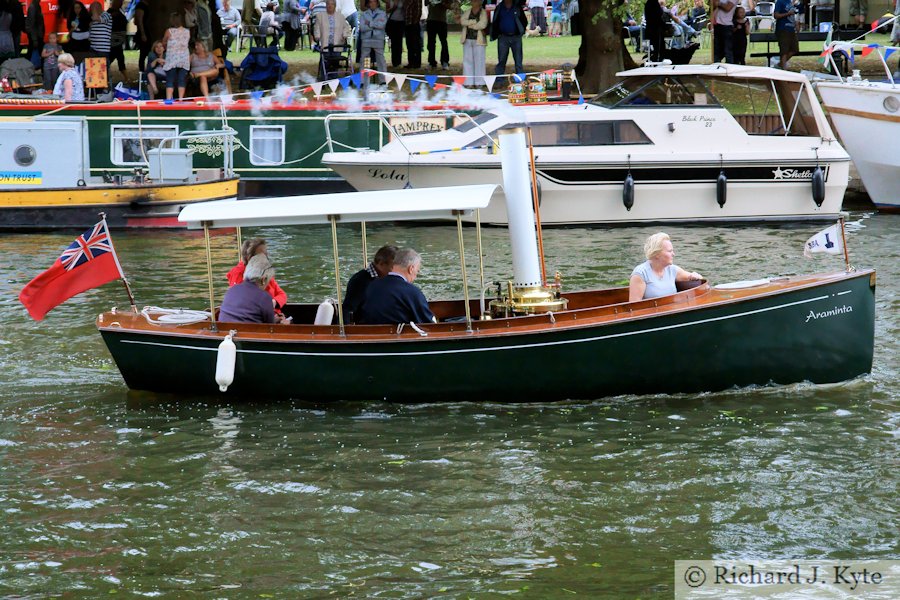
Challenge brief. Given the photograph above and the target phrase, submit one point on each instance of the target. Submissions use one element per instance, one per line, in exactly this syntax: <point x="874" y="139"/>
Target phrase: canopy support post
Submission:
<point x="480" y="248"/>
<point x="365" y="248"/>
<point x="240" y="243"/>
<point x="337" y="272"/>
<point x="462" y="264"/>
<point x="209" y="277"/>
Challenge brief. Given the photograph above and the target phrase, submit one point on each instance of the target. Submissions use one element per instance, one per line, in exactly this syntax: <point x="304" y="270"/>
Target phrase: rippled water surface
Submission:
<point x="105" y="491"/>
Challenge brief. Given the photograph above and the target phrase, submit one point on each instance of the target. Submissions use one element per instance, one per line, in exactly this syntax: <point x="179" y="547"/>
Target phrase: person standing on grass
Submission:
<point x="786" y="32"/>
<point x="436" y="29"/>
<point x="474" y="23"/>
<point x="537" y="8"/>
<point x="723" y="30"/>
<point x="507" y="28"/>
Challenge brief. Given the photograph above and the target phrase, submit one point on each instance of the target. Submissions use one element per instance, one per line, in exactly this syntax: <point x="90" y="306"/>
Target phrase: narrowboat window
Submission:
<point x="267" y="144"/>
<point x="24" y="155"/>
<point x="480" y="119"/>
<point x="126" y="141"/>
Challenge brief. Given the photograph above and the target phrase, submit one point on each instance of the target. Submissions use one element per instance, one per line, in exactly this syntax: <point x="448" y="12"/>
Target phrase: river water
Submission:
<point x="105" y="491"/>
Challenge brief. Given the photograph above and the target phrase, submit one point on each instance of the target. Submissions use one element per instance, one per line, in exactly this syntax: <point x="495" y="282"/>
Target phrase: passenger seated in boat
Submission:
<point x="249" y="249"/>
<point x="380" y="266"/>
<point x="393" y="298"/>
<point x="657" y="275"/>
<point x="248" y="302"/>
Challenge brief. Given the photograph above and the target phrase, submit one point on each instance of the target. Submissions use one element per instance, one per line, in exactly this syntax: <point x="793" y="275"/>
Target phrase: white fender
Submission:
<point x="225" y="363"/>
<point x="325" y="313"/>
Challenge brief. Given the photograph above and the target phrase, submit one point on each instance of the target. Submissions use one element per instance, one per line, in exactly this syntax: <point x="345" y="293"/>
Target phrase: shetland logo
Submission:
<point x="813" y="315"/>
<point x="798" y="174"/>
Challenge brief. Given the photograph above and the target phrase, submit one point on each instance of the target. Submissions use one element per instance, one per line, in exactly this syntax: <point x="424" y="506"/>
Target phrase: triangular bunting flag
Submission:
<point x="317" y="88"/>
<point x="874" y="24"/>
<point x="332" y="84"/>
<point x="441" y="86"/>
<point x="414" y="84"/>
<point x="888" y="52"/>
<point x="867" y="51"/>
<point x="356" y="78"/>
<point x="518" y="77"/>
<point x="345" y="82"/>
<point x="400" y="79"/>
<point x="851" y="55"/>
<point x="489" y="81"/>
<point x="388" y="78"/>
<point x="550" y="71"/>
<point x="431" y="79"/>
<point x="306" y="90"/>
<point x="459" y="79"/>
<point x="580" y="99"/>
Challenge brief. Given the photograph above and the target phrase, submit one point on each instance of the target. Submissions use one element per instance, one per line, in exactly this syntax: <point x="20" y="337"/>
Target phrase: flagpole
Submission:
<point x="844" y="244"/>
<point x="118" y="264"/>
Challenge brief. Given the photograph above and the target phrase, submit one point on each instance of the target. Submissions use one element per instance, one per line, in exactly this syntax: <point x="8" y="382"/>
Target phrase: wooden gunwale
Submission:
<point x="570" y="320"/>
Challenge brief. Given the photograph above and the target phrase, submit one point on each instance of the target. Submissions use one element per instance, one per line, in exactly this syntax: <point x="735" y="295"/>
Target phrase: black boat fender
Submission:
<point x="818" y="186"/>
<point x="721" y="188"/>
<point x="628" y="191"/>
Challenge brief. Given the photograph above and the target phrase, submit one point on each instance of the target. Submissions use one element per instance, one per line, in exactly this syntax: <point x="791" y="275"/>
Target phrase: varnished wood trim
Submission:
<point x="864" y="115"/>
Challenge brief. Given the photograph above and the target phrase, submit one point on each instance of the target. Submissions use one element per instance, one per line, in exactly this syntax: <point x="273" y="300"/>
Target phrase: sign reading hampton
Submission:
<point x="21" y="177"/>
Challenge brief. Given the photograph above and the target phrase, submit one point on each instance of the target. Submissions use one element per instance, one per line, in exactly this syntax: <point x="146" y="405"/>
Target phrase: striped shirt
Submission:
<point x="101" y="34"/>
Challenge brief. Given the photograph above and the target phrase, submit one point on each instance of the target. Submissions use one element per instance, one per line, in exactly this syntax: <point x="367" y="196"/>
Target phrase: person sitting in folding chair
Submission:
<point x="269" y="25"/>
<point x="207" y="69"/>
<point x="332" y="35"/>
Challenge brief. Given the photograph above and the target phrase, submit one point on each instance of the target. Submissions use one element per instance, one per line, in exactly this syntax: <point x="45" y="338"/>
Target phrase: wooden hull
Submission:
<point x="126" y="206"/>
<point x="815" y="328"/>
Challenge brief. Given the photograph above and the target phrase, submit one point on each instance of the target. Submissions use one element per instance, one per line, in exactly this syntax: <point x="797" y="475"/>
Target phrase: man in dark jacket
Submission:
<point x="508" y="27"/>
<point x="380" y="266"/>
<point x="394" y="299"/>
<point x="653" y="16"/>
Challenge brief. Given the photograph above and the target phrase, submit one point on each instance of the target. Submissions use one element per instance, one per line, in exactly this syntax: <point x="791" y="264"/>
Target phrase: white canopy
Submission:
<point x="717" y="70"/>
<point x="349" y="207"/>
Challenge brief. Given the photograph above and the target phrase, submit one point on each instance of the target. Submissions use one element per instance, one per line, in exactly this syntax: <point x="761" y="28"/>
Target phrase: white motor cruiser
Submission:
<point x="866" y="115"/>
<point x="686" y="143"/>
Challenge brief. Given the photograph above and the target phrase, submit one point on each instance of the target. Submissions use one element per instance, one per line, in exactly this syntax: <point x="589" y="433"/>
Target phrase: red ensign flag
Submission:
<point x="88" y="263"/>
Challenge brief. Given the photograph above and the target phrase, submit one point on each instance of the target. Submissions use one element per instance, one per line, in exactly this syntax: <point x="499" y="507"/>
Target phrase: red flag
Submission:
<point x="87" y="263"/>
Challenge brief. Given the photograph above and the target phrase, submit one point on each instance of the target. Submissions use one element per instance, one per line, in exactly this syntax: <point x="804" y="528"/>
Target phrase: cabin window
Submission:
<point x="588" y="133"/>
<point x="767" y="107"/>
<point x="126" y="142"/>
<point x="24" y="155"/>
<point x="267" y="144"/>
<point x="684" y="90"/>
<point x="467" y="124"/>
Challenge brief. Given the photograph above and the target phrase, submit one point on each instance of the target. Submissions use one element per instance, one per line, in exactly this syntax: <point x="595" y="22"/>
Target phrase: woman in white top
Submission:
<point x="657" y="276"/>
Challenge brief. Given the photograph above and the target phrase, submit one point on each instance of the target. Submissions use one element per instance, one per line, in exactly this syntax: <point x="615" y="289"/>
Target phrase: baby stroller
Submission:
<point x="335" y="62"/>
<point x="262" y="68"/>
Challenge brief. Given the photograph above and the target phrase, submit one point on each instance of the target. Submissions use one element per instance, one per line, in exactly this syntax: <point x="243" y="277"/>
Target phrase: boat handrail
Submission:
<point x="227" y="134"/>
<point x="853" y="45"/>
<point x="384" y="116"/>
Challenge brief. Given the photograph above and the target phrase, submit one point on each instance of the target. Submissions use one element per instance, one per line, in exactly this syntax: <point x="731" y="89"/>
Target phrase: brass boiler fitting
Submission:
<point x="530" y="300"/>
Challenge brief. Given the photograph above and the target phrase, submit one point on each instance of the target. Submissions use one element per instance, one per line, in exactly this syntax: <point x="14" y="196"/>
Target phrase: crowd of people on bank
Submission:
<point x="192" y="53"/>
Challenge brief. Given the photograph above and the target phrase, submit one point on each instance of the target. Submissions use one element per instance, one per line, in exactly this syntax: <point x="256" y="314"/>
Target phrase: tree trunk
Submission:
<point x="600" y="53"/>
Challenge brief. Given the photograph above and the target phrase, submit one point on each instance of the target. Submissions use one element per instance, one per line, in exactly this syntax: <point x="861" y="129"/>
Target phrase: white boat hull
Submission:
<point x="870" y="132"/>
<point x="688" y="200"/>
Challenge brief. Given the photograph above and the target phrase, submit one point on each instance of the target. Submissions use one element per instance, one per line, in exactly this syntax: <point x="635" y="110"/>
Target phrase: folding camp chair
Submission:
<point x="335" y="62"/>
<point x="262" y="68"/>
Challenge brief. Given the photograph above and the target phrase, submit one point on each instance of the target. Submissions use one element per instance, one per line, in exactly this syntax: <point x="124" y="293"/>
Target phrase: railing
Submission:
<point x="852" y="46"/>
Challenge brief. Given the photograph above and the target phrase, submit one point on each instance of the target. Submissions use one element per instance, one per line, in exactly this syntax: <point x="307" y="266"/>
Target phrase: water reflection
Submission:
<point x="105" y="490"/>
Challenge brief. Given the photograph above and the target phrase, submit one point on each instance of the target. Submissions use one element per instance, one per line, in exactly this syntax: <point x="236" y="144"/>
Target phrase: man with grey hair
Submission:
<point x="248" y="302"/>
<point x="394" y="299"/>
